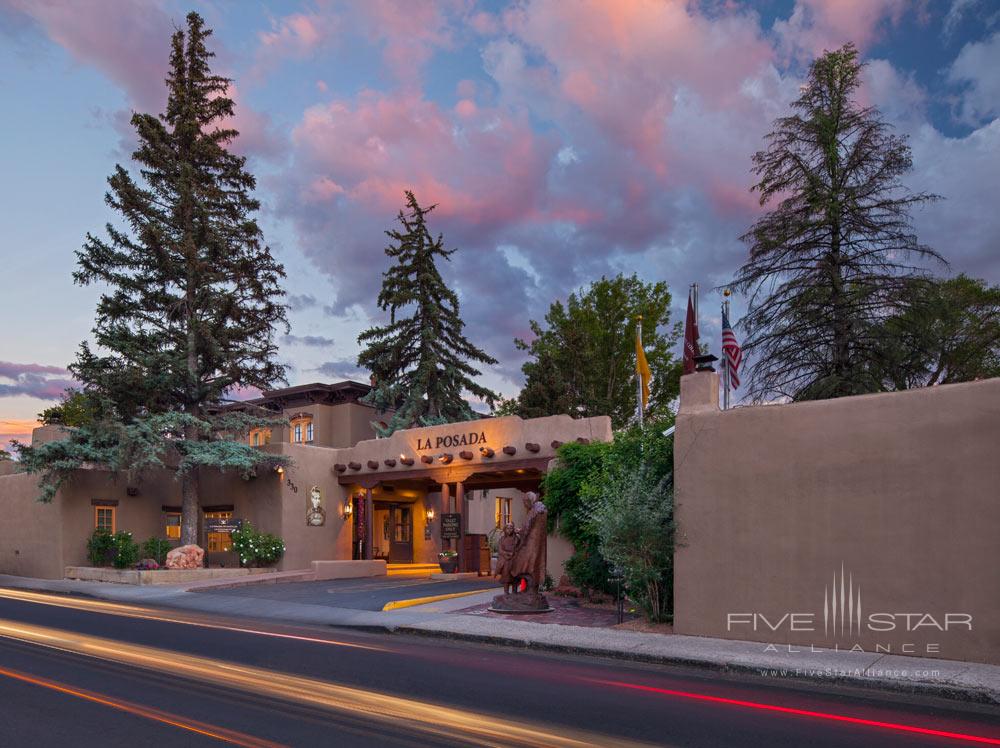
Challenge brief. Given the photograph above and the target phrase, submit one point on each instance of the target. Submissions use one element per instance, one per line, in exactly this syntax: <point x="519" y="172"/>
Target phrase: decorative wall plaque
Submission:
<point x="315" y="516"/>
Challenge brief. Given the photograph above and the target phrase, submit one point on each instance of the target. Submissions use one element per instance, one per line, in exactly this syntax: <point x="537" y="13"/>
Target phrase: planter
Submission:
<point x="448" y="564"/>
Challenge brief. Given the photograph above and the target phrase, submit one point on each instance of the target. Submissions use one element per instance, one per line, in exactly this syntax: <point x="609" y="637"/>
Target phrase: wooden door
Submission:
<point x="401" y="534"/>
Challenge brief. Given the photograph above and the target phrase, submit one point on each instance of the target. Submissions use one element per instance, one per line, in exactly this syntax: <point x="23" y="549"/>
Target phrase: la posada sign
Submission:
<point x="470" y="439"/>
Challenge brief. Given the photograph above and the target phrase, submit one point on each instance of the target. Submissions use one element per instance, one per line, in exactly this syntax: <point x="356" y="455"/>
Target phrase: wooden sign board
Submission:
<point x="451" y="525"/>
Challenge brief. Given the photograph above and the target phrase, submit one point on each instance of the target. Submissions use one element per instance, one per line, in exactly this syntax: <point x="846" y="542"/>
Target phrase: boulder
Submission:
<point x="186" y="557"/>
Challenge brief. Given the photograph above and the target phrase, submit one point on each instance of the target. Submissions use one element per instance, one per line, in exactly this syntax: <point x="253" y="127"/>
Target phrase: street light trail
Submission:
<point x="430" y="719"/>
<point x="135" y="611"/>
<point x="981" y="739"/>
<point x="212" y="731"/>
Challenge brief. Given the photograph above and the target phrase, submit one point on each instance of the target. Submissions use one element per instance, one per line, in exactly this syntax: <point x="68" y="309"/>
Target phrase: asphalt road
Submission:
<point x="101" y="674"/>
<point x="370" y="593"/>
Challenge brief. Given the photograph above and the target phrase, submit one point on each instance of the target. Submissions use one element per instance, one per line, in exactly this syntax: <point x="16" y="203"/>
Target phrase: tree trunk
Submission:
<point x="189" y="509"/>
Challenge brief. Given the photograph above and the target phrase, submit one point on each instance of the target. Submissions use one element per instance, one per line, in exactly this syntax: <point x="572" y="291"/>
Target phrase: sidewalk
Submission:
<point x="944" y="678"/>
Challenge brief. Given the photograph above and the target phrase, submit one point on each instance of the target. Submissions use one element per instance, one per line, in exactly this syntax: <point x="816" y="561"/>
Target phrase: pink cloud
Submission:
<point x="488" y="170"/>
<point x="129" y="41"/>
<point x="409" y="32"/>
<point x="295" y="36"/>
<point x="466" y="108"/>
<point x="34" y="380"/>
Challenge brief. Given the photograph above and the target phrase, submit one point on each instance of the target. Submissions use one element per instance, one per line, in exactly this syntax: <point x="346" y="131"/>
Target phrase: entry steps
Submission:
<point x="412" y="570"/>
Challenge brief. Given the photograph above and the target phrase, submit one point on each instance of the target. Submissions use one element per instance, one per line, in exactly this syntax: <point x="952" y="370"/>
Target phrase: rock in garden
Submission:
<point x="186" y="557"/>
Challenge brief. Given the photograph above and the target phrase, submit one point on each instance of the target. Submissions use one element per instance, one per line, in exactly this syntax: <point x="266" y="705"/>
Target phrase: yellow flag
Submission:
<point x="642" y="367"/>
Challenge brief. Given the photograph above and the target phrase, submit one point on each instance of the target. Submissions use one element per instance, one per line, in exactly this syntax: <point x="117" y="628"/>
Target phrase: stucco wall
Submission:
<point x="305" y="544"/>
<point x="897" y="494"/>
<point x="31" y="532"/>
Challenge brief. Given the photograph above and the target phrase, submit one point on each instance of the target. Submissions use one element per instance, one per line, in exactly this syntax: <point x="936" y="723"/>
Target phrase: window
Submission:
<point x="104" y="518"/>
<point x="219" y="542"/>
<point x="503" y="511"/>
<point x="302" y="429"/>
<point x="259" y="437"/>
<point x="173" y="522"/>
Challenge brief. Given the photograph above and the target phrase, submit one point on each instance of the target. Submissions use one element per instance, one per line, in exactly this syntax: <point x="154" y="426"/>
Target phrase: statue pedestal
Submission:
<point x="520" y="602"/>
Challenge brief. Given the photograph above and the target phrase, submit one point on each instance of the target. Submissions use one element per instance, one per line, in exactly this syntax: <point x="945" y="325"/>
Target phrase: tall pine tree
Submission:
<point x="837" y="254"/>
<point x="192" y="302"/>
<point x="421" y="364"/>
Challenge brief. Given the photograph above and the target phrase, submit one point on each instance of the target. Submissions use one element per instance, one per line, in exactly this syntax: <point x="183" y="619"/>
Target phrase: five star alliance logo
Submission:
<point x="842" y="605"/>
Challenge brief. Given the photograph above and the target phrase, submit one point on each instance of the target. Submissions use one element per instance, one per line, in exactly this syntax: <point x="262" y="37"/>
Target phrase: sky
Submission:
<point x="561" y="141"/>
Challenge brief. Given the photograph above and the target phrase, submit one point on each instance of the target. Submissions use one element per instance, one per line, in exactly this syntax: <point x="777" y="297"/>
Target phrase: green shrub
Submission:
<point x="257" y="548"/>
<point x="576" y="487"/>
<point x="126" y="550"/>
<point x="100" y="548"/>
<point x="156" y="549"/>
<point x="634" y="521"/>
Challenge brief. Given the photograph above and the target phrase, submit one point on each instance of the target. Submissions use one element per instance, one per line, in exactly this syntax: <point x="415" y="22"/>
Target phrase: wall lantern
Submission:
<point x="279" y="470"/>
<point x="430" y="514"/>
<point x="348" y="507"/>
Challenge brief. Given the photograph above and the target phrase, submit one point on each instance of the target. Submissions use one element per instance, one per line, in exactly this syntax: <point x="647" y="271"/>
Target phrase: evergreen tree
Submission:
<point x="192" y="299"/>
<point x="421" y="364"/>
<point x="835" y="257"/>
<point x="582" y="361"/>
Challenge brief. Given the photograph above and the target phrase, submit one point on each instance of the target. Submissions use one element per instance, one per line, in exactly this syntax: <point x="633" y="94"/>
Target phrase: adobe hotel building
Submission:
<point x="347" y="495"/>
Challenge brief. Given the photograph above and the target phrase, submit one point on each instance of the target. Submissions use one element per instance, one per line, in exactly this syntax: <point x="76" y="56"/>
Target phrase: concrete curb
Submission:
<point x="414" y="601"/>
<point x="952" y="691"/>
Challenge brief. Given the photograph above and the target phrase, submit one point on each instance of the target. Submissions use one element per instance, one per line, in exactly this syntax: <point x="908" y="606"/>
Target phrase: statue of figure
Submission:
<point x="529" y="559"/>
<point x="506" y="548"/>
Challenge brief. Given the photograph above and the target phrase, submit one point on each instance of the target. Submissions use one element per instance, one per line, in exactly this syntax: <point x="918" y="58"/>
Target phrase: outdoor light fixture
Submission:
<point x="430" y="514"/>
<point x="348" y="507"/>
<point x="486" y="451"/>
<point x="445" y="457"/>
<point x="279" y="470"/>
<point x="405" y="460"/>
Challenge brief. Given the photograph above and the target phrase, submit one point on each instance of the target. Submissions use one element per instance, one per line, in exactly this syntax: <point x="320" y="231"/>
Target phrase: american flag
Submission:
<point x="731" y="351"/>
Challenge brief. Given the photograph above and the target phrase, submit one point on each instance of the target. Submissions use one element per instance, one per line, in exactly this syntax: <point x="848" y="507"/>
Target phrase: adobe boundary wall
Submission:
<point x="868" y="522"/>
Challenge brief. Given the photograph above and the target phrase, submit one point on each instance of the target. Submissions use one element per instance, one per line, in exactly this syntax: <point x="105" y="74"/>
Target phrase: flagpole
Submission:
<point x="638" y="375"/>
<point x="725" y="360"/>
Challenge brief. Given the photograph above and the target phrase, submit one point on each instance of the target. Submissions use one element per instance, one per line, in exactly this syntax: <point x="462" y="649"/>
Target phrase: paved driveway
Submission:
<point x="371" y="593"/>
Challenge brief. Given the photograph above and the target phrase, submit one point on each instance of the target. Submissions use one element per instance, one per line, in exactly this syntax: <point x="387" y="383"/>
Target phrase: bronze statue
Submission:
<point x="529" y="561"/>
<point x="521" y="556"/>
<point x="507" y="547"/>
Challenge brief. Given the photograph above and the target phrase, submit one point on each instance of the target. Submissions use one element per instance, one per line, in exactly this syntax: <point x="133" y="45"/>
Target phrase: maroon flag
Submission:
<point x="690" y="339"/>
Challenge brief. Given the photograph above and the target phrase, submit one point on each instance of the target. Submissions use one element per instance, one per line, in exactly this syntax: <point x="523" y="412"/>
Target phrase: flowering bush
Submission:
<point x="126" y="550"/>
<point x="118" y="550"/>
<point x="257" y="548"/>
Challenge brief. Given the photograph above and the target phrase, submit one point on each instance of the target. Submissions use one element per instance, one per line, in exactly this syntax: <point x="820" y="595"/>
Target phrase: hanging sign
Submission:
<point x="223" y="525"/>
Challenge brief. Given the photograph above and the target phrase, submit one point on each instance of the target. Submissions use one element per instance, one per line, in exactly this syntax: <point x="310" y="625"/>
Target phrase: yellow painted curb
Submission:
<point x="395" y="604"/>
